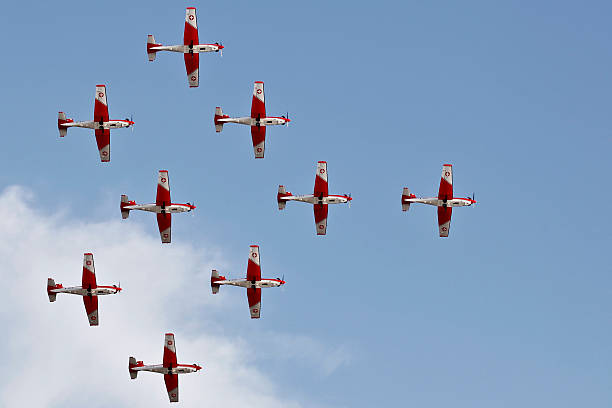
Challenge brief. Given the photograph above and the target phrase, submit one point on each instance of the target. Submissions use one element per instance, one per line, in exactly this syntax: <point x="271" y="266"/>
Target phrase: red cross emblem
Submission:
<point x="163" y="179"/>
<point x="104" y="153"/>
<point x="193" y="78"/>
<point x="88" y="263"/>
<point x="169" y="342"/>
<point x="100" y="94"/>
<point x="259" y="92"/>
<point x="191" y="17"/>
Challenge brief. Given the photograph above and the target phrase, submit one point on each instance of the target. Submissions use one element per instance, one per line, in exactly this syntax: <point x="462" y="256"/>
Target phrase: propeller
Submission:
<point x="473" y="198"/>
<point x="286" y="117"/>
<point x="131" y="119"/>
<point x="349" y="199"/>
<point x="220" y="50"/>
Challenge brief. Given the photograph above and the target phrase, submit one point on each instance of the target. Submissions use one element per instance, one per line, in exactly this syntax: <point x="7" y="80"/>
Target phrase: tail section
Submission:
<point x="61" y="121"/>
<point x="133" y="363"/>
<point x="124" y="202"/>
<point x="151" y="43"/>
<point x="406" y="195"/>
<point x="219" y="115"/>
<point x="282" y="192"/>
<point x="214" y="278"/>
<point x="50" y="286"/>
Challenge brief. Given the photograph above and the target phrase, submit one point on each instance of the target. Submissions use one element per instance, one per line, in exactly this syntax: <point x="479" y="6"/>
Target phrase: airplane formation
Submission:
<point x="163" y="207"/>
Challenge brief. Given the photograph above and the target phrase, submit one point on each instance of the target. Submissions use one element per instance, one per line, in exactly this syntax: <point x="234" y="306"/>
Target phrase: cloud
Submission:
<point x="55" y="359"/>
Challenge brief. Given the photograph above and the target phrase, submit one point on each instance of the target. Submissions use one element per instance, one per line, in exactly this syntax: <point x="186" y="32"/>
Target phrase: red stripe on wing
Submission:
<point x="254" y="296"/>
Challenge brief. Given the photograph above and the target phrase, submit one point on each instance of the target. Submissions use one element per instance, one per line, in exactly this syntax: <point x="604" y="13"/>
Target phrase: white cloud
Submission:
<point x="55" y="359"/>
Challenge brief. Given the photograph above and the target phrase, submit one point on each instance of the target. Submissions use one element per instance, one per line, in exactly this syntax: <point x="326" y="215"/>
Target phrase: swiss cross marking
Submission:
<point x="322" y="171"/>
<point x="100" y="94"/>
<point x="88" y="263"/>
<point x="259" y="150"/>
<point x="93" y="317"/>
<point x="193" y="78"/>
<point x="259" y="92"/>
<point x="104" y="153"/>
<point x="191" y="17"/>
<point x="169" y="342"/>
<point x="447" y="173"/>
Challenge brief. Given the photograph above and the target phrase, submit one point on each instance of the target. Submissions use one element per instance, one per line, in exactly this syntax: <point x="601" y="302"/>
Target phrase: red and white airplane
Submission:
<point x="320" y="198"/>
<point x="257" y="121"/>
<point x="253" y="282"/>
<point x="191" y="47"/>
<point x="101" y="123"/>
<point x="169" y="368"/>
<point x="89" y="289"/>
<point x="163" y="207"/>
<point x="445" y="201"/>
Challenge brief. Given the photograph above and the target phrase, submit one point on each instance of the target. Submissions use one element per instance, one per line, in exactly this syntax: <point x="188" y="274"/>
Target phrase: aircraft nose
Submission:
<point x="221" y="47"/>
<point x="197" y="367"/>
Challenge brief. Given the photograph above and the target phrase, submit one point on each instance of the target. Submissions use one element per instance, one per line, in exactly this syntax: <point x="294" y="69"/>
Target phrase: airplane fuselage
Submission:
<point x="435" y="201"/>
<point x="159" y="368"/>
<point x="188" y="49"/>
<point x="90" y="124"/>
<point x="168" y="209"/>
<point x="79" y="290"/>
<point x="312" y="199"/>
<point x="263" y="283"/>
<point x="249" y="121"/>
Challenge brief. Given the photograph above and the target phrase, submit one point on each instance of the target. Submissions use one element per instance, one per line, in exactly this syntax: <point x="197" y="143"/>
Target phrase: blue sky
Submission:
<point x="514" y="308"/>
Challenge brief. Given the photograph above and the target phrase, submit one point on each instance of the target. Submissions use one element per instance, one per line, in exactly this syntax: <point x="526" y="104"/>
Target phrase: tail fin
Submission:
<point x="151" y="43"/>
<point x="132" y="363"/>
<point x="61" y="119"/>
<point x="218" y="115"/>
<point x="282" y="192"/>
<point x="405" y="195"/>
<point x="124" y="202"/>
<point x="214" y="277"/>
<point x="51" y="285"/>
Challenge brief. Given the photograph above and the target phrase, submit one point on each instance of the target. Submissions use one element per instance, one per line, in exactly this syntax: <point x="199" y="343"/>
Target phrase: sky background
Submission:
<point x="513" y="309"/>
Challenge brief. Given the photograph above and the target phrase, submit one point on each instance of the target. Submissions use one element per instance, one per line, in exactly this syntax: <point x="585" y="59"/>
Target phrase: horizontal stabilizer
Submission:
<point x="282" y="192"/>
<point x="151" y="43"/>
<point x="218" y="115"/>
<point x="405" y="195"/>
<point x="51" y="285"/>
<point x="213" y="278"/>
<point x="61" y="119"/>
<point x="133" y="374"/>
<point x="124" y="202"/>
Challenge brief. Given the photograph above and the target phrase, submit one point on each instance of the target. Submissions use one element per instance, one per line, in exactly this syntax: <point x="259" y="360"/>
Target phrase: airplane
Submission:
<point x="320" y="198"/>
<point x="101" y="123"/>
<point x="253" y="282"/>
<point x="445" y="201"/>
<point x="191" y="48"/>
<point x="257" y="121"/>
<point x="89" y="289"/>
<point x="169" y="368"/>
<point x="163" y="207"/>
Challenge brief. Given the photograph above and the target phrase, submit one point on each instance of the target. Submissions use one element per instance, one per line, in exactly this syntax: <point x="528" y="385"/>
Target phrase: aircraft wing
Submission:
<point x="101" y="114"/>
<point x="258" y="111"/>
<point x="258" y="134"/>
<point x="254" y="297"/>
<point x="320" y="187"/>
<point x="91" y="308"/>
<point x="190" y="38"/>
<point x="89" y="282"/>
<point x="163" y="189"/>
<point x="444" y="219"/>
<point x="320" y="214"/>
<point x="169" y="361"/>
<point x="253" y="275"/>
<point x="254" y="266"/>
<point x="164" y="222"/>
<point x="446" y="183"/>
<point x="103" y="141"/>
